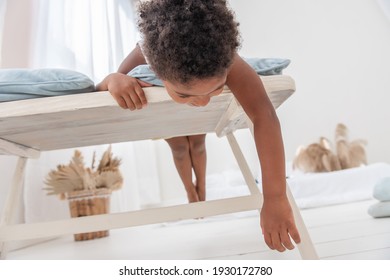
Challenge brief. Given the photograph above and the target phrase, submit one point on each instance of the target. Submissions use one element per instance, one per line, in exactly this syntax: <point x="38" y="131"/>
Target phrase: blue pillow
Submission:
<point x="262" y="66"/>
<point x="16" y="84"/>
<point x="268" y="66"/>
<point x="380" y="209"/>
<point x="382" y="189"/>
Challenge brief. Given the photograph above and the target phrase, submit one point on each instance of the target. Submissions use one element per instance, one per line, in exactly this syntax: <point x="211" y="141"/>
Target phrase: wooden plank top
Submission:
<point x="86" y="119"/>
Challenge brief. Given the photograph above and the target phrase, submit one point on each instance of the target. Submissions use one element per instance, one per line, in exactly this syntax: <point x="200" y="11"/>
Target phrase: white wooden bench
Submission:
<point x="28" y="127"/>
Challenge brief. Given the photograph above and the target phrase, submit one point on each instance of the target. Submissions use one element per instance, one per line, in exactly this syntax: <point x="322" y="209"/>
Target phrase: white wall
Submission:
<point x="340" y="62"/>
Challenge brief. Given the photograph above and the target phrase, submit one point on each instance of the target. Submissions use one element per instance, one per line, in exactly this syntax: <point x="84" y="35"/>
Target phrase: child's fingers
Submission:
<point x="144" y="84"/>
<point x="136" y="100"/>
<point x="286" y="241"/>
<point x="121" y="102"/>
<point x="268" y="240"/>
<point x="141" y="93"/>
<point x="141" y="96"/>
<point x="118" y="98"/>
<point x="276" y="242"/>
<point x="293" y="231"/>
<point x="129" y="103"/>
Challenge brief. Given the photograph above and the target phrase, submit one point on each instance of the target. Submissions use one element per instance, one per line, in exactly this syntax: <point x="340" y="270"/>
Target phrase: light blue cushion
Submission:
<point x="262" y="66"/>
<point x="382" y="189"/>
<point x="268" y="66"/>
<point x="16" y="84"/>
<point x="380" y="209"/>
<point x="144" y="73"/>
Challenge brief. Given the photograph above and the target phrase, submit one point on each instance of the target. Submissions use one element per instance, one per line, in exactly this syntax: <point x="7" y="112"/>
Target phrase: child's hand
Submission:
<point x="277" y="224"/>
<point x="126" y="90"/>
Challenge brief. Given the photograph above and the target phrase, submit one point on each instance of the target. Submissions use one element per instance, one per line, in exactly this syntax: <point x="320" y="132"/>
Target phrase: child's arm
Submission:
<point x="126" y="90"/>
<point x="277" y="221"/>
<point x="135" y="58"/>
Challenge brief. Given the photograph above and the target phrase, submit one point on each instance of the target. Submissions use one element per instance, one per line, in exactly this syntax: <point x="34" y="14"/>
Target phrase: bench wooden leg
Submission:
<point x="306" y="247"/>
<point x="243" y="165"/>
<point x="12" y="202"/>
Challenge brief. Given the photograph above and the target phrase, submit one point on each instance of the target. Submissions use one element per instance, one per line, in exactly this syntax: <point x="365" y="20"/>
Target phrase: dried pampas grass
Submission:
<point x="320" y="157"/>
<point x="76" y="177"/>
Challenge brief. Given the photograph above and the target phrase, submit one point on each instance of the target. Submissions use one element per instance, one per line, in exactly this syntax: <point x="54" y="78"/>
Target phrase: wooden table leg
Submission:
<point x="242" y="163"/>
<point x="306" y="247"/>
<point x="11" y="204"/>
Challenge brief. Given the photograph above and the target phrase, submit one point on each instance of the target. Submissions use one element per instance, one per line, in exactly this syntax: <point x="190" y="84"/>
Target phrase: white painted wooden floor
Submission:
<point x="339" y="232"/>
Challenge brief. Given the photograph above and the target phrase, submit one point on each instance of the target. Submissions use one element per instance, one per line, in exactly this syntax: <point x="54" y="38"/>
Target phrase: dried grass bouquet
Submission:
<point x="76" y="177"/>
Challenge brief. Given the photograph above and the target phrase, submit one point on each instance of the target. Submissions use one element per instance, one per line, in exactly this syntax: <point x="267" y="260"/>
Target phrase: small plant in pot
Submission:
<point x="87" y="189"/>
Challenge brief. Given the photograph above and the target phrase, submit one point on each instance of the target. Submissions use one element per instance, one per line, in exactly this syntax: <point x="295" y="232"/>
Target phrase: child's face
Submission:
<point x="198" y="93"/>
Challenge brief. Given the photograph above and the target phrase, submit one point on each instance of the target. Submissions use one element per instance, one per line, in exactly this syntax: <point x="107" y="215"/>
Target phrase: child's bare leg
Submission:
<point x="199" y="161"/>
<point x="180" y="147"/>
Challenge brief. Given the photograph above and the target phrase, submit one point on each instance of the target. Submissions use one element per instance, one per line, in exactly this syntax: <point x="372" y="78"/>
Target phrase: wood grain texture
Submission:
<point x="86" y="119"/>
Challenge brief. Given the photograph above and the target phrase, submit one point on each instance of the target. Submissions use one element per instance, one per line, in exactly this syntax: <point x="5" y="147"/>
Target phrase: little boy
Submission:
<point x="192" y="45"/>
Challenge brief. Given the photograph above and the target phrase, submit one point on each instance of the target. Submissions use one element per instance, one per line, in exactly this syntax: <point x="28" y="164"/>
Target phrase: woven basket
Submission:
<point x="87" y="203"/>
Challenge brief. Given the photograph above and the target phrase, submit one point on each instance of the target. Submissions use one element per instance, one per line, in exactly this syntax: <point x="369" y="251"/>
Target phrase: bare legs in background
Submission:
<point x="189" y="154"/>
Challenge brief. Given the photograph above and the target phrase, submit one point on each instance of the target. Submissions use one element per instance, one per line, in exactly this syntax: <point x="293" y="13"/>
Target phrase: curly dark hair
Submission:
<point x="186" y="40"/>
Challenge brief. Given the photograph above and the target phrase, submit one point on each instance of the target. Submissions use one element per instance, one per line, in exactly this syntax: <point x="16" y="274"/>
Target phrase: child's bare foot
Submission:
<point x="192" y="195"/>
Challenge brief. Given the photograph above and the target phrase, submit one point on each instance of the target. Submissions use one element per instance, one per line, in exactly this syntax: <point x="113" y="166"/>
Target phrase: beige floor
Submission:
<point x="339" y="232"/>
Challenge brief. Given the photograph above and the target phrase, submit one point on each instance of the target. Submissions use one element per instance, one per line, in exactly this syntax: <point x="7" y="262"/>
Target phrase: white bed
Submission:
<point x="309" y="189"/>
<point x="31" y="126"/>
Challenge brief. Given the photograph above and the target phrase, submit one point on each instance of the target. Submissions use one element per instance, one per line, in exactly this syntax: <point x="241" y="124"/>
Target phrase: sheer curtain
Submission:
<point x="3" y="6"/>
<point x="92" y="37"/>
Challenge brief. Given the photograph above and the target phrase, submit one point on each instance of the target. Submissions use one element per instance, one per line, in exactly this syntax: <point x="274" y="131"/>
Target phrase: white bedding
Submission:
<point x="310" y="190"/>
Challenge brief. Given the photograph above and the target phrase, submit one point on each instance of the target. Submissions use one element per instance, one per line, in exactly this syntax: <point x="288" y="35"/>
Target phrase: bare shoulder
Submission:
<point x="241" y="71"/>
<point x="237" y="65"/>
<point x="241" y="76"/>
<point x="246" y="86"/>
